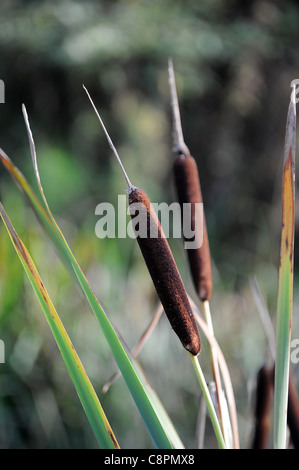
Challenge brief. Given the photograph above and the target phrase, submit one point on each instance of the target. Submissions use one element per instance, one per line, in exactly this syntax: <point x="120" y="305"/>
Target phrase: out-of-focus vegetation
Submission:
<point x="234" y="62"/>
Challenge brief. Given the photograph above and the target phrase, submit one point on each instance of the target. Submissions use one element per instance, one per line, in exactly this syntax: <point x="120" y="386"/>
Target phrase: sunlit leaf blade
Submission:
<point x="37" y="207"/>
<point x="86" y="393"/>
<point x="158" y="406"/>
<point x="139" y="394"/>
<point x="161" y="412"/>
<point x="285" y="284"/>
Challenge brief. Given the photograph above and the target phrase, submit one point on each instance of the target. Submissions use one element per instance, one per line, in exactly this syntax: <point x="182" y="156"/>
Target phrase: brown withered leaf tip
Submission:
<point x="165" y="276"/>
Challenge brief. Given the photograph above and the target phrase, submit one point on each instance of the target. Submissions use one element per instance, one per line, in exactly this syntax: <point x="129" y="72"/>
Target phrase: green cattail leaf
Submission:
<point x="86" y="393"/>
<point x="158" y="406"/>
<point x="285" y="284"/>
<point x="143" y="402"/>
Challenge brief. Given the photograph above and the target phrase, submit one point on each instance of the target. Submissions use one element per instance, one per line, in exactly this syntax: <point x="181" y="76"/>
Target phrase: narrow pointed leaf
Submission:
<point x="138" y="392"/>
<point x="285" y="284"/>
<point x="86" y="393"/>
<point x="172" y="434"/>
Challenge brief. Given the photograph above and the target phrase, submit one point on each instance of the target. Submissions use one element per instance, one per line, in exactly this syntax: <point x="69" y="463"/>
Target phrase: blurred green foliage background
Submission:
<point x="234" y="63"/>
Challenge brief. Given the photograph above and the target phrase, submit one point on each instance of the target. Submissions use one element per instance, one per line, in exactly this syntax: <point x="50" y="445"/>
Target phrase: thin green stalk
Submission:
<point x="215" y="367"/>
<point x="208" y="399"/>
<point x="224" y="373"/>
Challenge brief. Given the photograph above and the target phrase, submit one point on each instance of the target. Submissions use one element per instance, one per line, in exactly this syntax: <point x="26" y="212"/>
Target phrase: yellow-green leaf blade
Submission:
<point x="285" y="284"/>
<point x="138" y="392"/>
<point x="86" y="393"/>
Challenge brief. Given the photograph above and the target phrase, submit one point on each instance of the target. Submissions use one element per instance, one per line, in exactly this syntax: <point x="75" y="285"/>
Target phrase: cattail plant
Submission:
<point x="166" y="278"/>
<point x="188" y="188"/>
<point x="155" y="418"/>
<point x="182" y="312"/>
<point x="161" y="264"/>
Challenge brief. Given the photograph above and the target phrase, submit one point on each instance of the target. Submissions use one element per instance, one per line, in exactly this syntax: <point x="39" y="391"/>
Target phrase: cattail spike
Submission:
<point x="179" y="144"/>
<point x="165" y="274"/>
<point x="130" y="185"/>
<point x="189" y="191"/>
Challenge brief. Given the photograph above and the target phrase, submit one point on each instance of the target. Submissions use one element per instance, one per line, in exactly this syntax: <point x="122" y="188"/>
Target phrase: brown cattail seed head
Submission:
<point x="164" y="273"/>
<point x="189" y="191"/>
<point x="264" y="387"/>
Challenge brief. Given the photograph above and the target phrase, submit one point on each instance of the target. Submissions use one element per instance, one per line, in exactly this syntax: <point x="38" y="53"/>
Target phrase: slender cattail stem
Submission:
<point x="210" y="406"/>
<point x="179" y="144"/>
<point x="201" y="422"/>
<point x="215" y="365"/>
<point x="160" y="262"/>
<point x="136" y="350"/>
<point x="224" y="373"/>
<point x="264" y="316"/>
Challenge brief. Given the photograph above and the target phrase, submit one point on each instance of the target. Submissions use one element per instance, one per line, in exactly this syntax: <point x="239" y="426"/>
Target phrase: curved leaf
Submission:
<point x="45" y="216"/>
<point x="86" y="393"/>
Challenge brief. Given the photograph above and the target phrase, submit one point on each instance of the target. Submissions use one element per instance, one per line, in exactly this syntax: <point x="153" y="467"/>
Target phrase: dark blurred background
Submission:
<point x="234" y="63"/>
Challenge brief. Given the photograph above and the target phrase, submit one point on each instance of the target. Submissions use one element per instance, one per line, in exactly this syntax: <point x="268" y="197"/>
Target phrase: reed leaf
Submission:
<point x="86" y="393"/>
<point x="45" y="216"/>
<point x="158" y="406"/>
<point x="285" y="284"/>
